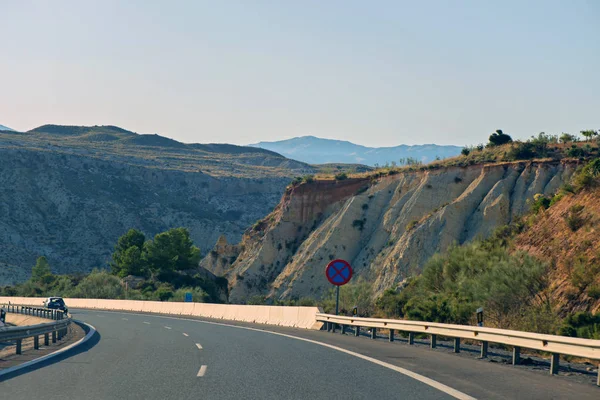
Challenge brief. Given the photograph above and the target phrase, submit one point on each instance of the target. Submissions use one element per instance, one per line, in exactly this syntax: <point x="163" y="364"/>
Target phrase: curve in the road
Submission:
<point x="143" y="357"/>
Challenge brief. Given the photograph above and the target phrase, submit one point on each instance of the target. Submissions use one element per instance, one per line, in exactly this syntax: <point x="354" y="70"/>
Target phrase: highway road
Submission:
<point x="137" y="356"/>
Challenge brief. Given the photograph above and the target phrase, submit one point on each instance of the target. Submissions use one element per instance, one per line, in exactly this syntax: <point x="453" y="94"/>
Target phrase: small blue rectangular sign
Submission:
<point x="188" y="297"/>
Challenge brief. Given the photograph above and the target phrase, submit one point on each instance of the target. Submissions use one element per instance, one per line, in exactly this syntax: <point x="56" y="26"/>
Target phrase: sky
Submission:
<point x="377" y="73"/>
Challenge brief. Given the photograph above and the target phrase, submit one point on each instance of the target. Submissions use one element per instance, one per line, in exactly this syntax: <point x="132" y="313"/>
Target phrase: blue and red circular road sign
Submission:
<point x="338" y="272"/>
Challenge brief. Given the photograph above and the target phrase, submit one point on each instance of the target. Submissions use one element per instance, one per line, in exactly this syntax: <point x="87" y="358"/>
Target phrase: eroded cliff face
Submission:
<point x="386" y="228"/>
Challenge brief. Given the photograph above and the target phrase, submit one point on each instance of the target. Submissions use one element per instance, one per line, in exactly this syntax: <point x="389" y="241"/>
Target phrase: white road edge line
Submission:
<point x="421" y="378"/>
<point x="185" y="334"/>
<point x="202" y="371"/>
<point x="147" y="322"/>
<point x="124" y="319"/>
<point x="167" y="327"/>
<point x="199" y="346"/>
<point x="84" y="339"/>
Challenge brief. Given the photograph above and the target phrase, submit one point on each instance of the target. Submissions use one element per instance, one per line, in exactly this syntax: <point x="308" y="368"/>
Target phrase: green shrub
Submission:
<point x="359" y="224"/>
<point x="594" y="292"/>
<point x="198" y="294"/>
<point x="465" y="151"/>
<point x="341" y="176"/>
<point x="411" y="225"/>
<point x="588" y="175"/>
<point x="481" y="274"/>
<point x="582" y="324"/>
<point x="575" y="152"/>
<point x="499" y="138"/>
<point x="522" y="151"/>
<point x="540" y="202"/>
<point x="99" y="285"/>
<point x="308" y="178"/>
<point x="574" y="219"/>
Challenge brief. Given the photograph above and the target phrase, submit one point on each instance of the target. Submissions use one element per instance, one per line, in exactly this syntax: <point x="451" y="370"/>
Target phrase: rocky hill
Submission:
<point x="316" y="150"/>
<point x="68" y="193"/>
<point x="386" y="227"/>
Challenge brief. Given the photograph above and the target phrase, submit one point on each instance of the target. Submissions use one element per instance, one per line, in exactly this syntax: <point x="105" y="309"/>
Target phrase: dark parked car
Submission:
<point x="56" y="303"/>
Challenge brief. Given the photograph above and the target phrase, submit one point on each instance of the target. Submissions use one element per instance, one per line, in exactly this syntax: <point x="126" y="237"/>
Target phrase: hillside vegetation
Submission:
<point x="163" y="268"/>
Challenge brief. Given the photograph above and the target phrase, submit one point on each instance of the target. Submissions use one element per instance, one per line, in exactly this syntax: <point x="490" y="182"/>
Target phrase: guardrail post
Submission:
<point x="484" y="349"/>
<point x="53" y="336"/>
<point x="411" y="338"/>
<point x="342" y="329"/>
<point x="516" y="360"/>
<point x="19" y="342"/>
<point x="598" y="378"/>
<point x="433" y="344"/>
<point x="357" y="331"/>
<point x="36" y="342"/>
<point x="391" y="335"/>
<point x="373" y="333"/>
<point x="46" y="339"/>
<point x="333" y="326"/>
<point x="457" y="345"/>
<point x="554" y="363"/>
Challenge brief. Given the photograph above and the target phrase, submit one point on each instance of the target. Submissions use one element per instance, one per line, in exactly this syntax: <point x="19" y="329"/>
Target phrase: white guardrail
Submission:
<point x="556" y="345"/>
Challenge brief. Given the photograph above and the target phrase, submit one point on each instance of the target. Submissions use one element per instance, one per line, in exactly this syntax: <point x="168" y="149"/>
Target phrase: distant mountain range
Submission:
<point x="5" y="128"/>
<point x="315" y="150"/>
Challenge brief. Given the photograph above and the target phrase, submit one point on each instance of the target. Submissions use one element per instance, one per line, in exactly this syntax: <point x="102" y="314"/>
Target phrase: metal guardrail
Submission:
<point x="556" y="345"/>
<point x="57" y="327"/>
<point x="34" y="311"/>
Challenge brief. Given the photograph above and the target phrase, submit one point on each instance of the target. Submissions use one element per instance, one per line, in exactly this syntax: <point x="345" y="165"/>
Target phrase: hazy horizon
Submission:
<point x="379" y="74"/>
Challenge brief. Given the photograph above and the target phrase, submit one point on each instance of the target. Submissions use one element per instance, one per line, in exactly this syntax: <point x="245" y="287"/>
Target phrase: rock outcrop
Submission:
<point x="386" y="228"/>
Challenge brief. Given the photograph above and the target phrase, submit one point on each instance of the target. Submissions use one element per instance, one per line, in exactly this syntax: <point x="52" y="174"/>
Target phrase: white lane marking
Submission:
<point x="148" y="323"/>
<point x="185" y="334"/>
<point x="199" y="346"/>
<point x="167" y="327"/>
<point x="421" y="378"/>
<point x="202" y="371"/>
<point x="124" y="319"/>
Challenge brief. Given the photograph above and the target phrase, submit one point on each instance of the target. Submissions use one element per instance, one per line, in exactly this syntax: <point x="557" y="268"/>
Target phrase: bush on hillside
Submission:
<point x="99" y="285"/>
<point x="499" y="138"/>
<point x="583" y="325"/>
<point x="589" y="175"/>
<point x="341" y="176"/>
<point x="568" y="138"/>
<point x="521" y="151"/>
<point x="540" y="202"/>
<point x="482" y="274"/>
<point x="574" y="219"/>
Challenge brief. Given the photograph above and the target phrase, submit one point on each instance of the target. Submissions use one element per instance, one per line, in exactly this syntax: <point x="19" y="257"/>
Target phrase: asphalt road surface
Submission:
<point x="153" y="357"/>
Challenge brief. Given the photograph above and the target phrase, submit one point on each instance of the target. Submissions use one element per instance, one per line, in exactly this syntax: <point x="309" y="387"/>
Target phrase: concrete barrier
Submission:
<point x="297" y="317"/>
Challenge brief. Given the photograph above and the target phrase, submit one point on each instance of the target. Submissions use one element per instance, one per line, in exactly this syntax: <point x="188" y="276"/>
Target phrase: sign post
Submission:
<point x="480" y="316"/>
<point x="188" y="297"/>
<point x="338" y="273"/>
